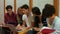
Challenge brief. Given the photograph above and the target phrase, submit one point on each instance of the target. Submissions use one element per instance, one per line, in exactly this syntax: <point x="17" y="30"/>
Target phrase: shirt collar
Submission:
<point x="11" y="14"/>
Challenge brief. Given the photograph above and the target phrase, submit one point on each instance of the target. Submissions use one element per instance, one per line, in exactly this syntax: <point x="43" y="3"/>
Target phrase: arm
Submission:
<point x="24" y="18"/>
<point x="5" y="19"/>
<point x="24" y="23"/>
<point x="57" y="28"/>
<point x="37" y="29"/>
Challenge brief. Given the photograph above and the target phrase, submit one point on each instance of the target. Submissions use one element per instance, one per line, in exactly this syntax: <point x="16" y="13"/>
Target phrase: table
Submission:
<point x="14" y="32"/>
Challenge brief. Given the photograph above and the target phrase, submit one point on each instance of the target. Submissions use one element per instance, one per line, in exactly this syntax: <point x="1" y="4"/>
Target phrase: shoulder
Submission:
<point x="14" y="14"/>
<point x="24" y="15"/>
<point x="6" y="14"/>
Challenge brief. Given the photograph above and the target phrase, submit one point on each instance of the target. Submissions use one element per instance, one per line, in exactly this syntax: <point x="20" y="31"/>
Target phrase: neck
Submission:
<point x="53" y="18"/>
<point x="10" y="13"/>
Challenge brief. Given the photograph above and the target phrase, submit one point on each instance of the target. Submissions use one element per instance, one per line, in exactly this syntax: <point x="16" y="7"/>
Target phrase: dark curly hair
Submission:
<point x="8" y="7"/>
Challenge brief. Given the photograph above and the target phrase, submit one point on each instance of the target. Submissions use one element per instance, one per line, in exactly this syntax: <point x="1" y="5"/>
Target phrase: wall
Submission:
<point x="9" y="2"/>
<point x="1" y="11"/>
<point x="19" y="3"/>
<point x="41" y="3"/>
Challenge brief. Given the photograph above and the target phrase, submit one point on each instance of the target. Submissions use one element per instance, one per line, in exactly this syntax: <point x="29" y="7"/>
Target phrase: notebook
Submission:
<point x="47" y="30"/>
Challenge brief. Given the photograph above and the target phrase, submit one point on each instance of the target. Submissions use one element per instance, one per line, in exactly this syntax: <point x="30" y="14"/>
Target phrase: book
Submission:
<point x="47" y="30"/>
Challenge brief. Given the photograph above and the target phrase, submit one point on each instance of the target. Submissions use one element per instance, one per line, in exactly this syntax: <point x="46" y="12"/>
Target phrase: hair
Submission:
<point x="25" y="6"/>
<point x="36" y="11"/>
<point x="44" y="12"/>
<point x="18" y="10"/>
<point x="8" y="7"/>
<point x="43" y="17"/>
<point x="19" y="15"/>
<point x="47" y="5"/>
<point x="50" y="10"/>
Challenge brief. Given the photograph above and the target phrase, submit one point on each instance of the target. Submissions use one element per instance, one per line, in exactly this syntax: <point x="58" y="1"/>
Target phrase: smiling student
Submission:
<point x="52" y="19"/>
<point x="10" y="17"/>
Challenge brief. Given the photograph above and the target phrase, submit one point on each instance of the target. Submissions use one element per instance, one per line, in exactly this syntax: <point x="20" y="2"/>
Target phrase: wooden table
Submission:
<point x="14" y="32"/>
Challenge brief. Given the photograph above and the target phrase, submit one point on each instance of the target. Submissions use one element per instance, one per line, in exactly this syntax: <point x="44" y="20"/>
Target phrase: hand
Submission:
<point x="3" y="24"/>
<point x="18" y="27"/>
<point x="39" y="33"/>
<point x="37" y="29"/>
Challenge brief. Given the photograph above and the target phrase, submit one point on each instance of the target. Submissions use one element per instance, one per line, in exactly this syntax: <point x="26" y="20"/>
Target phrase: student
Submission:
<point x="10" y="17"/>
<point x="52" y="19"/>
<point x="37" y="16"/>
<point x="26" y="16"/>
<point x="19" y="15"/>
<point x="37" y="19"/>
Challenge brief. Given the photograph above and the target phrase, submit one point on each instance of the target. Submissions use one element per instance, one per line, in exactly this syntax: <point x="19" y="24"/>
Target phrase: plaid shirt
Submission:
<point x="10" y="19"/>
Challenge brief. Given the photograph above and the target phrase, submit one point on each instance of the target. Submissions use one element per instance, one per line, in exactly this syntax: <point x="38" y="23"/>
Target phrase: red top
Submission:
<point x="10" y="19"/>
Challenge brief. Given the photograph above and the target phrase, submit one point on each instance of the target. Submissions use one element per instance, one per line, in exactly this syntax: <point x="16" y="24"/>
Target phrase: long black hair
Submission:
<point x="37" y="13"/>
<point x="43" y="17"/>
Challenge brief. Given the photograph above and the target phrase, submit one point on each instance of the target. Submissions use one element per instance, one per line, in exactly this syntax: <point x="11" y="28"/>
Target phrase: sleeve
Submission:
<point x="24" y="17"/>
<point x="16" y="19"/>
<point x="24" y="20"/>
<point x="57" y="28"/>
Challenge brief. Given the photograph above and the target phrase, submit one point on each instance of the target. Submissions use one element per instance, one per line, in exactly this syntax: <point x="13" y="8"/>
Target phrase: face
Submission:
<point x="9" y="11"/>
<point x="51" y="19"/>
<point x="25" y="11"/>
<point x="20" y="11"/>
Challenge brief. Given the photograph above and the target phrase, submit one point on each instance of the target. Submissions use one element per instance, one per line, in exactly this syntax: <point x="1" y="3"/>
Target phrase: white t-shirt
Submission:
<point x="25" y="18"/>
